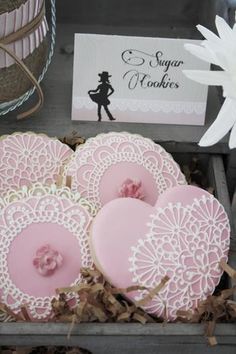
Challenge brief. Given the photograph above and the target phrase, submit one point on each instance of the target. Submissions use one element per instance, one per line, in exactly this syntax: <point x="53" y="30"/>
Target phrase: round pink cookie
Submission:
<point x="184" y="236"/>
<point x="116" y="165"/>
<point x="26" y="158"/>
<point x="43" y="245"/>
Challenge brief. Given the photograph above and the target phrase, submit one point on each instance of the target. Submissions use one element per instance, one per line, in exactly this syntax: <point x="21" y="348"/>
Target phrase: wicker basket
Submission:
<point x="15" y="86"/>
<point x="13" y="82"/>
<point x="7" y="6"/>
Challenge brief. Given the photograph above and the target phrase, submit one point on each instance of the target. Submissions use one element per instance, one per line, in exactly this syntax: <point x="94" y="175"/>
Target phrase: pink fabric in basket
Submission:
<point x="11" y="22"/>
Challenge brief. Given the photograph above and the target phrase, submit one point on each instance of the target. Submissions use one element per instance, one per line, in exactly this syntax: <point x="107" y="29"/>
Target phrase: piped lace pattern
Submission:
<point x="27" y="158"/>
<point x="97" y="155"/>
<point x="187" y="244"/>
<point x="40" y="204"/>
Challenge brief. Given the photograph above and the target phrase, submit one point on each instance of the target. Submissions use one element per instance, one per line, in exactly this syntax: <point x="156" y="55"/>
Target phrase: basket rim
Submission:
<point x="9" y="6"/>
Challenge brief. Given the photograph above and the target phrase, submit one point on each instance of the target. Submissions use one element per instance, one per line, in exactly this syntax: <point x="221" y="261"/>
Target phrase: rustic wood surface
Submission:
<point x="120" y="338"/>
<point x="231" y="172"/>
<point x="218" y="180"/>
<point x="148" y="18"/>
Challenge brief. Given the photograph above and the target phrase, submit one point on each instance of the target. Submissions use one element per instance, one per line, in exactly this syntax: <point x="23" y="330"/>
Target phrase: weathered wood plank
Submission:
<point x="114" y="329"/>
<point x="218" y="178"/>
<point x="117" y="336"/>
<point x="131" y="345"/>
<point x="231" y="172"/>
<point x="138" y="345"/>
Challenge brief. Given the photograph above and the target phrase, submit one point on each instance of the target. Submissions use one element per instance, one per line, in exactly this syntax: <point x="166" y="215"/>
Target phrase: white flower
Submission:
<point x="220" y="51"/>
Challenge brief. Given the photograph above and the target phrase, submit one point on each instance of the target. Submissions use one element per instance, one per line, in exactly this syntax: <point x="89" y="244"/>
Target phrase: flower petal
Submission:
<point x="209" y="35"/>
<point x="234" y="29"/>
<point x="224" y="30"/>
<point x="229" y="89"/>
<point x="200" y="52"/>
<point x="222" y="125"/>
<point x="224" y="53"/>
<point x="217" y="78"/>
<point x="217" y="53"/>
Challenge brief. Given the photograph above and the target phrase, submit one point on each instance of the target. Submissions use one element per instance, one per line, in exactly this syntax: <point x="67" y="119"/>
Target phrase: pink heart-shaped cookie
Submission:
<point x="184" y="236"/>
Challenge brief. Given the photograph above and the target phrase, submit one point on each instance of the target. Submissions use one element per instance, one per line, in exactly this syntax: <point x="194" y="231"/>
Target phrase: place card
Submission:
<point x="136" y="79"/>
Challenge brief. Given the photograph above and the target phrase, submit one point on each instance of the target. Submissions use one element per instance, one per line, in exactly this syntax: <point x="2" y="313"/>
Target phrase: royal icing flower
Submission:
<point x="131" y="189"/>
<point x="175" y="220"/>
<point x="213" y="220"/>
<point x="149" y="263"/>
<point x="220" y="51"/>
<point x="47" y="260"/>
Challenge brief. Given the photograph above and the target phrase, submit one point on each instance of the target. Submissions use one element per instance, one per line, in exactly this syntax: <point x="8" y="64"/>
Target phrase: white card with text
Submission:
<point x="136" y="79"/>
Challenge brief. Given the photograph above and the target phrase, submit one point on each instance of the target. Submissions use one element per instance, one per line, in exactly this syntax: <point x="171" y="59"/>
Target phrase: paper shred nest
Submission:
<point x="73" y="140"/>
<point x="100" y="302"/>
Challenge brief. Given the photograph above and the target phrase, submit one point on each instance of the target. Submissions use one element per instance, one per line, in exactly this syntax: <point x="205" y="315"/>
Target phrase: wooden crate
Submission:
<point x="123" y="338"/>
<point x="169" y="18"/>
<point x="136" y="338"/>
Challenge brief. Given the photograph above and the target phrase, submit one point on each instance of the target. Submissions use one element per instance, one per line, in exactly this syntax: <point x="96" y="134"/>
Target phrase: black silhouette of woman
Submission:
<point x="101" y="94"/>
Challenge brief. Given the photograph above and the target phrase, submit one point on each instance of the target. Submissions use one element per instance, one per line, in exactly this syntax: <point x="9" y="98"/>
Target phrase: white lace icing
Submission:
<point x="17" y="212"/>
<point x="99" y="153"/>
<point x="26" y="158"/>
<point x="187" y="244"/>
<point x="156" y="106"/>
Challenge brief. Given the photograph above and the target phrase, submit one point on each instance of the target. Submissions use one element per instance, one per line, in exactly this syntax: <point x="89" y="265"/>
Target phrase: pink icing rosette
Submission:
<point x="131" y="189"/>
<point x="47" y="260"/>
